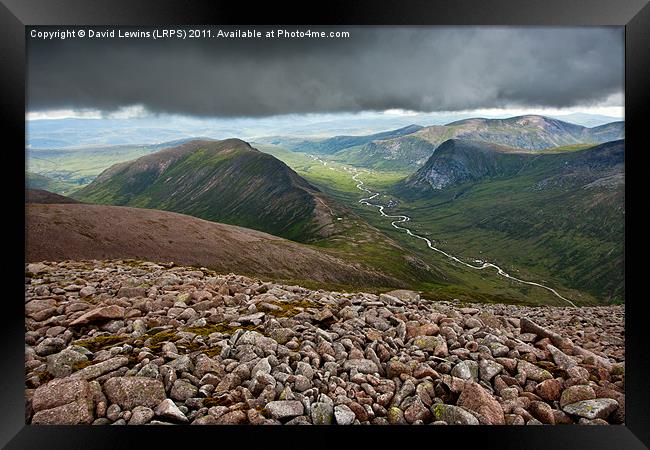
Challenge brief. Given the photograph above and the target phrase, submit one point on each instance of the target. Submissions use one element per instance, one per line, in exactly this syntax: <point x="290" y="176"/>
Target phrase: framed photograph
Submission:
<point x="383" y="215"/>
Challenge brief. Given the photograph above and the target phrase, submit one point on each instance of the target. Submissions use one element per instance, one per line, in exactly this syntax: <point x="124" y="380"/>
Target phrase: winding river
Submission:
<point x="400" y="219"/>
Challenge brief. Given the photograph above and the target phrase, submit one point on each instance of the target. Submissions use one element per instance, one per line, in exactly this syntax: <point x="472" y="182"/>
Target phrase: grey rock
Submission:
<point x="141" y="415"/>
<point x="182" y="390"/>
<point x="598" y="408"/>
<point x="362" y="365"/>
<point x="322" y="413"/>
<point x="129" y="392"/>
<point x="62" y="364"/>
<point x="344" y="415"/>
<point x="104" y="367"/>
<point x="282" y="409"/>
<point x="453" y="415"/>
<point x="49" y="346"/>
<point x="489" y="369"/>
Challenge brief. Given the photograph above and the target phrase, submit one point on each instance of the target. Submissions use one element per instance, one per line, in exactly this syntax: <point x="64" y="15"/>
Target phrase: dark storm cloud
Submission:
<point x="422" y="69"/>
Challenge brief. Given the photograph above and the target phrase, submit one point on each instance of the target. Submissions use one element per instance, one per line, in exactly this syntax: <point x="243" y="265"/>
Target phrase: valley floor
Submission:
<point x="128" y="342"/>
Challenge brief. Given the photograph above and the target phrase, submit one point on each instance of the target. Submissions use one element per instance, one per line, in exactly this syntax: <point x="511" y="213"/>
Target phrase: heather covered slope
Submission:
<point x="56" y="232"/>
<point x="46" y="197"/>
<point x="223" y="181"/>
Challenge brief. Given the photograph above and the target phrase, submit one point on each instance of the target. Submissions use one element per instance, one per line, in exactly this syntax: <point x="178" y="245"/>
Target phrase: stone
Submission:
<point x="395" y="368"/>
<point x="113" y="412"/>
<point x="282" y="335"/>
<point x="549" y="390"/>
<point x="362" y="365"/>
<point x="344" y="415"/>
<point x="49" y="346"/>
<point x="60" y="392"/>
<point x="542" y="412"/>
<point x="435" y="344"/>
<point x="417" y="411"/>
<point x="149" y="371"/>
<point x="101" y="368"/>
<point x="182" y="390"/>
<point x="452" y="415"/>
<point x="533" y="372"/>
<point x="576" y="393"/>
<point x="466" y="370"/>
<point x="102" y="314"/>
<point x="395" y="416"/>
<point x="403" y="294"/>
<point x="561" y="360"/>
<point x="37" y="268"/>
<point x="131" y="292"/>
<point x="283" y="409"/>
<point x="182" y="364"/>
<point x="35" y="306"/>
<point x="598" y="408"/>
<point x="63" y="402"/>
<point x="233" y="418"/>
<point x="262" y="367"/>
<point x="87" y="291"/>
<point x="75" y="413"/>
<point x="129" y="392"/>
<point x="167" y="409"/>
<point x="322" y="413"/>
<point x="64" y="363"/>
<point x="477" y="399"/>
<point x="488" y="369"/>
<point x="141" y="415"/>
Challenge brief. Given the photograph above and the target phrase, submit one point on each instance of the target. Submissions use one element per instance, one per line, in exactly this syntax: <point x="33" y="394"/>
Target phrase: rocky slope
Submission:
<point x="459" y="161"/>
<point x="111" y="342"/>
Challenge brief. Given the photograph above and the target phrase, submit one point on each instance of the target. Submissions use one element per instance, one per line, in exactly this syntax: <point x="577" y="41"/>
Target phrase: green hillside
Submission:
<point x="559" y="215"/>
<point x="223" y="181"/>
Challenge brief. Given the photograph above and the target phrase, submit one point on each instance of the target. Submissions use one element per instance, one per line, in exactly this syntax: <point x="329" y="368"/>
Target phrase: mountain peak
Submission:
<point x="224" y="181"/>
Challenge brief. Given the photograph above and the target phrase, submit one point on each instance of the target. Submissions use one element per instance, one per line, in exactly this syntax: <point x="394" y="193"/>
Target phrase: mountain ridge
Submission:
<point x="529" y="132"/>
<point x="225" y="181"/>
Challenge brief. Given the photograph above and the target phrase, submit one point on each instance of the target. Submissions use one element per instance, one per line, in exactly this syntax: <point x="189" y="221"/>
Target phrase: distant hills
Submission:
<point x="334" y="144"/>
<point x="530" y="132"/>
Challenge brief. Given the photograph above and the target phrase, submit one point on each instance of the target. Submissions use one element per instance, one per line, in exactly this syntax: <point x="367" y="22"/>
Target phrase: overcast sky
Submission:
<point x="376" y="69"/>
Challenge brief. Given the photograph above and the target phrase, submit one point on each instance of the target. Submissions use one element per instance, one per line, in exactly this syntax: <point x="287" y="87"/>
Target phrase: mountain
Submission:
<point x="553" y="215"/>
<point x="64" y="170"/>
<point x="336" y="143"/>
<point x="56" y="232"/>
<point x="458" y="161"/>
<point x="528" y="132"/>
<point x="224" y="181"/>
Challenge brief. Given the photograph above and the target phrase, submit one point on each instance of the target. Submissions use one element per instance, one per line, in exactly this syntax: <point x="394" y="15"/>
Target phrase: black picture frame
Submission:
<point x="15" y="15"/>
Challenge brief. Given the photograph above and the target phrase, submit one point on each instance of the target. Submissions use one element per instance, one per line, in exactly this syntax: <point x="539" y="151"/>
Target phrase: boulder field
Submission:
<point x="133" y="343"/>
